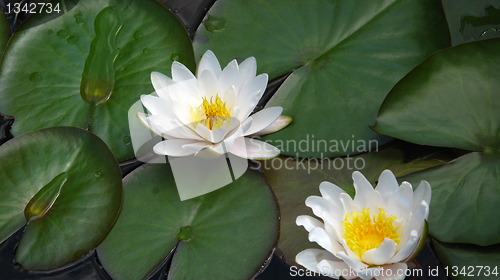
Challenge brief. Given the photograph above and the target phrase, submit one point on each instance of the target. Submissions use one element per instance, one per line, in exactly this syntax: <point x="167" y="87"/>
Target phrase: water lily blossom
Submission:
<point x="210" y="112"/>
<point x="372" y="235"/>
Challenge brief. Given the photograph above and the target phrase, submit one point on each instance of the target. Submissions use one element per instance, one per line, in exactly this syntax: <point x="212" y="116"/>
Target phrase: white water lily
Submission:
<point x="211" y="111"/>
<point x="370" y="236"/>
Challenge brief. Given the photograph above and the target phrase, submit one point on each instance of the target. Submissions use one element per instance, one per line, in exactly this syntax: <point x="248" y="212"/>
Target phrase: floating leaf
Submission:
<point x="42" y="89"/>
<point x="345" y="57"/>
<point x="452" y="100"/>
<point x="464" y="261"/>
<point x="225" y="234"/>
<point x="293" y="180"/>
<point x="67" y="183"/>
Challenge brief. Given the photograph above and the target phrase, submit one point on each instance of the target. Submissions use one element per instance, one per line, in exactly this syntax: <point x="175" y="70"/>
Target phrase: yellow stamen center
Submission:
<point x="363" y="233"/>
<point x="211" y="114"/>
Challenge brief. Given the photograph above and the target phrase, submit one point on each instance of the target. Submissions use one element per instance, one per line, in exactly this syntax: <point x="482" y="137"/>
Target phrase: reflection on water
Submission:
<point x="474" y="26"/>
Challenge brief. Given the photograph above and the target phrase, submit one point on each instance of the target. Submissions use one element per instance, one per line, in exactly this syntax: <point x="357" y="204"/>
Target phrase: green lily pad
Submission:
<point x="452" y="100"/>
<point x="465" y="261"/>
<point x="472" y="20"/>
<point x="225" y="234"/>
<point x="345" y="57"/>
<point x="67" y="184"/>
<point x="4" y="31"/>
<point x="297" y="179"/>
<point x="73" y="77"/>
<point x="465" y="194"/>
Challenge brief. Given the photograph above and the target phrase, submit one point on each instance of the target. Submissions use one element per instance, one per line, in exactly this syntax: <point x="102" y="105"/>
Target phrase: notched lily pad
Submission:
<point x="225" y="234"/>
<point x="345" y="57"/>
<point x="453" y="100"/>
<point x="66" y="185"/>
<point x="81" y="72"/>
<point x="466" y="261"/>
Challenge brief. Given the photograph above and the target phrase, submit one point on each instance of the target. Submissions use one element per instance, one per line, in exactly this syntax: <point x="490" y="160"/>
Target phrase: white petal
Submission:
<point x="196" y="147"/>
<point x="160" y="83"/>
<point x="181" y="73"/>
<point x="171" y="127"/>
<point x="258" y="83"/>
<point x="332" y="268"/>
<point x="157" y="105"/>
<point x="374" y="202"/>
<point x="263" y="119"/>
<point x="173" y="147"/>
<point x="320" y="205"/>
<point x="380" y="255"/>
<point x="353" y="263"/>
<point x="246" y="105"/>
<point x="308" y="222"/>
<point x="310" y="258"/>
<point x="204" y="132"/>
<point x="209" y="62"/>
<point x="363" y="188"/>
<point x="387" y="184"/>
<point x="254" y="149"/>
<point x="185" y="92"/>
<point x="348" y="203"/>
<point x="349" y="252"/>
<point x="423" y="192"/>
<point x="320" y="236"/>
<point x="400" y="202"/>
<point x="229" y="97"/>
<point x="407" y="248"/>
<point x="333" y="225"/>
<point x="143" y="119"/>
<point x="282" y="122"/>
<point x="331" y="192"/>
<point x="397" y="272"/>
<point x="248" y="70"/>
<point x="207" y="84"/>
<point x="229" y="76"/>
<point x="219" y="133"/>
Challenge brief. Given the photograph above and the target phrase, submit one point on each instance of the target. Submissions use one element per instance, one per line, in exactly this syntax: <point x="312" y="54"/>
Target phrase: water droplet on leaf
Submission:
<point x="78" y="18"/>
<point x="138" y="34"/>
<point x="98" y="174"/>
<point x="215" y="24"/>
<point x="35" y="76"/>
<point x="177" y="57"/>
<point x="62" y="34"/>
<point x="127" y="140"/>
<point x="72" y="40"/>
<point x="146" y="50"/>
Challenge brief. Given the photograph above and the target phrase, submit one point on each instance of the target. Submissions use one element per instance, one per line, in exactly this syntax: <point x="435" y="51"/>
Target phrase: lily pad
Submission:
<point x="345" y="57"/>
<point x="73" y="77"/>
<point x="293" y="180"/>
<point x="472" y="20"/>
<point x="66" y="185"/>
<point x="465" y="261"/>
<point x="225" y="234"/>
<point x="452" y="100"/>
